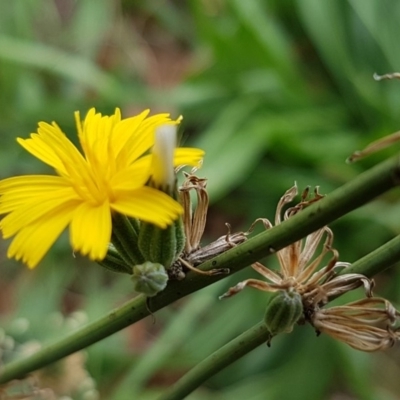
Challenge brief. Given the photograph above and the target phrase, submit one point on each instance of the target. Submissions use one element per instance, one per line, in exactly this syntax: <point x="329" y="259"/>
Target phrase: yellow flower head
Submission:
<point x="109" y="175"/>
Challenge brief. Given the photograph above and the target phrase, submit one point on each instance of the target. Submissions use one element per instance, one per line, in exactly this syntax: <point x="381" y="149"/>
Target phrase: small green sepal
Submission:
<point x="124" y="239"/>
<point x="149" y="278"/>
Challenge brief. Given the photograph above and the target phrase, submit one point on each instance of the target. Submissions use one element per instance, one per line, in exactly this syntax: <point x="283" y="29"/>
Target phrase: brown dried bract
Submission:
<point x="194" y="220"/>
<point x="365" y="324"/>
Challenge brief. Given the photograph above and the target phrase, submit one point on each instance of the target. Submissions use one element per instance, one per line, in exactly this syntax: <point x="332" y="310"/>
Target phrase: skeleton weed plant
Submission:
<point x="120" y="199"/>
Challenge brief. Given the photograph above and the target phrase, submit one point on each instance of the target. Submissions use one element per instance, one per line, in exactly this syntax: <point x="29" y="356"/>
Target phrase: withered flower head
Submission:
<point x="300" y="265"/>
<point x="194" y="221"/>
<point x="301" y="288"/>
<point x="365" y="324"/>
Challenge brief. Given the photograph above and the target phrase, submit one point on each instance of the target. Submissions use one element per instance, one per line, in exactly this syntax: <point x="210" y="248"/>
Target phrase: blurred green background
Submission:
<point x="275" y="91"/>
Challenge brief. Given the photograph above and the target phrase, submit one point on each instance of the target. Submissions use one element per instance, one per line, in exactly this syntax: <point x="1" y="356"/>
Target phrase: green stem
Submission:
<point x="217" y="361"/>
<point x="378" y="260"/>
<point x="352" y="195"/>
<point x="114" y="321"/>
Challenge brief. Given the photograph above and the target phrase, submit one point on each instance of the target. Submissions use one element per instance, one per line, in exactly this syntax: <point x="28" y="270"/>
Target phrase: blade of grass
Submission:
<point x="67" y="65"/>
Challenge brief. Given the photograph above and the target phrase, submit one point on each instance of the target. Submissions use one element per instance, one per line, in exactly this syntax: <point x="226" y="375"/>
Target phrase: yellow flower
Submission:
<point x="109" y="175"/>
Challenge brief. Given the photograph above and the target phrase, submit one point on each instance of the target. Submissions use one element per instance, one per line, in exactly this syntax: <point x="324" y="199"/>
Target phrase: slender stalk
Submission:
<point x="350" y="196"/>
<point x="105" y="326"/>
<point x="217" y="361"/>
<point x="378" y="260"/>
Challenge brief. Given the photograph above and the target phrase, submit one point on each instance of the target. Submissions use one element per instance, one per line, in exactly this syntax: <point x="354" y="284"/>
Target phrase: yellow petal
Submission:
<point x="133" y="177"/>
<point x="33" y="241"/>
<point x="28" y="201"/>
<point x="150" y="205"/>
<point x="143" y="138"/>
<point x="90" y="230"/>
<point x="125" y="133"/>
<point x="188" y="156"/>
<point x="51" y="146"/>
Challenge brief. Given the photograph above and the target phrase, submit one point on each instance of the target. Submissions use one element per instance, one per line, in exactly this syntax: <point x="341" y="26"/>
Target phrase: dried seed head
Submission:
<point x="299" y="262"/>
<point x="365" y="324"/>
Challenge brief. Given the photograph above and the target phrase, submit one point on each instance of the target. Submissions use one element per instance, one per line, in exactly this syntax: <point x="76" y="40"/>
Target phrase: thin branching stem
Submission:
<point x="378" y="260"/>
<point x="224" y="356"/>
<point x="343" y="200"/>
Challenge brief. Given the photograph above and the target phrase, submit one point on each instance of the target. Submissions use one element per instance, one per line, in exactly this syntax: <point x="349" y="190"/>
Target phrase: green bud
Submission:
<point x="284" y="309"/>
<point x="149" y="278"/>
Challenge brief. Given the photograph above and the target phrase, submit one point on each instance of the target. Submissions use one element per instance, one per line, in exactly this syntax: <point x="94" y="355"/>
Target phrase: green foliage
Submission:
<point x="275" y="92"/>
